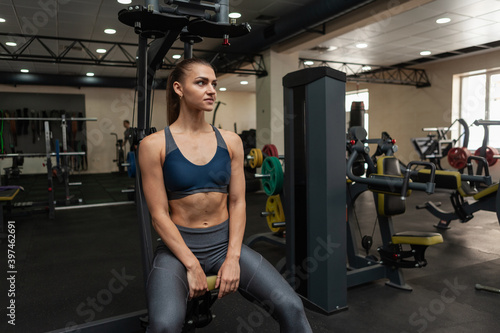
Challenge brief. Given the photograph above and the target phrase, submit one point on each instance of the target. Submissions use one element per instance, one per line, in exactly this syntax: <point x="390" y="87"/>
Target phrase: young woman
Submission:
<point x="194" y="184"/>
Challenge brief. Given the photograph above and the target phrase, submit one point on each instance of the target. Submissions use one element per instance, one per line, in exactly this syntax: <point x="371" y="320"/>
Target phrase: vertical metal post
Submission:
<point x="50" y="184"/>
<point x="144" y="222"/>
<point x="222" y="16"/>
<point x="188" y="49"/>
<point x="142" y="88"/>
<point x="65" y="168"/>
<point x="315" y="202"/>
<point x="143" y="124"/>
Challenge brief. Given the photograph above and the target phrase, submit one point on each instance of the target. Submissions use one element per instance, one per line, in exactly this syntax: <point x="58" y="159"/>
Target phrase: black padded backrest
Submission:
<point x="389" y="203"/>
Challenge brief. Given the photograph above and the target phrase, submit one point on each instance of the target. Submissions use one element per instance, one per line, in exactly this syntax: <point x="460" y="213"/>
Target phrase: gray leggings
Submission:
<point x="168" y="288"/>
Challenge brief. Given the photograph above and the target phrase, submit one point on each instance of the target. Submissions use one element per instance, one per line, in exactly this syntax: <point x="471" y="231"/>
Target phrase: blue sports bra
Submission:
<point x="182" y="177"/>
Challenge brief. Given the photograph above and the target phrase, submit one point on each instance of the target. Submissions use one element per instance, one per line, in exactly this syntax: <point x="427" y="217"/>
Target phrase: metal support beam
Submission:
<point x="374" y="73"/>
<point x="27" y="52"/>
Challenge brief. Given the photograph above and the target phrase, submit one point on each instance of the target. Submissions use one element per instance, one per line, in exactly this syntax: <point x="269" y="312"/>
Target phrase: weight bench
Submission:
<point x="390" y="203"/>
<point x="7" y="194"/>
<point x="461" y="189"/>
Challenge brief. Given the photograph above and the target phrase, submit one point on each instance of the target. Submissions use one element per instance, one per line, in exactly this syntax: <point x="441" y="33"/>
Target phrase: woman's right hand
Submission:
<point x="197" y="281"/>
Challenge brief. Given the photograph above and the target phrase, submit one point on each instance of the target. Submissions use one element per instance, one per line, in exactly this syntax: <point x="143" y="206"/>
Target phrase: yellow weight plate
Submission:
<point x="275" y="207"/>
<point x="257" y="158"/>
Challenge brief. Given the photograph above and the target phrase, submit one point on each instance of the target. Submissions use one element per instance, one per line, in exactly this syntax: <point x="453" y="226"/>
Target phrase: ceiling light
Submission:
<point x="331" y="48"/>
<point x="124" y="2"/>
<point x="443" y="20"/>
<point x="361" y="45"/>
<point x="222" y="89"/>
<point x="234" y="15"/>
<point x="425" y="53"/>
<point x="90" y="74"/>
<point x="308" y="63"/>
<point x="101" y="50"/>
<point x="2" y="20"/>
<point x="110" y="31"/>
<point x="25" y="70"/>
<point x="11" y="44"/>
<point x="176" y="56"/>
<point x="366" y="68"/>
<point x="244" y="82"/>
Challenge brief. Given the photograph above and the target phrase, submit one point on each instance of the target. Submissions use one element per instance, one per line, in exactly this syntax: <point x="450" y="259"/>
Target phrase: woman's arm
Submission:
<point x="156" y="198"/>
<point x="229" y="274"/>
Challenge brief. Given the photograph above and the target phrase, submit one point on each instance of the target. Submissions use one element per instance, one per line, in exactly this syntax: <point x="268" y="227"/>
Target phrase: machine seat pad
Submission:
<point x="487" y="191"/>
<point x="8" y="193"/>
<point x="417" y="238"/>
<point x="211" y="280"/>
<point x="444" y="179"/>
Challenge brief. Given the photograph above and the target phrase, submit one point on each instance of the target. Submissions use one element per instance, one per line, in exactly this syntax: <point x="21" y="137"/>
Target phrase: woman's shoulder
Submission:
<point x="233" y="142"/>
<point x="231" y="138"/>
<point x="154" y="141"/>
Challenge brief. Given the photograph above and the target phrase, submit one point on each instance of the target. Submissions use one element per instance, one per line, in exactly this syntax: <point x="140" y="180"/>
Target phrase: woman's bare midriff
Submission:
<point x="200" y="210"/>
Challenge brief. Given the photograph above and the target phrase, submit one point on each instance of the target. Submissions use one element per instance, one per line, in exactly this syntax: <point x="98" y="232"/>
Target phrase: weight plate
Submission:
<point x="490" y="155"/>
<point x="274" y="206"/>
<point x="457" y="157"/>
<point x="270" y="150"/>
<point x="274" y="183"/>
<point x="256" y="160"/>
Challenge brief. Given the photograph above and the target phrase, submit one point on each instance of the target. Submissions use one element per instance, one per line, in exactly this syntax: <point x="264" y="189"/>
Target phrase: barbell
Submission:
<point x="256" y="156"/>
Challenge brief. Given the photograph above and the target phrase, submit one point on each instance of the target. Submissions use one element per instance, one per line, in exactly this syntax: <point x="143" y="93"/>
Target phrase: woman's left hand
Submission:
<point x="228" y="277"/>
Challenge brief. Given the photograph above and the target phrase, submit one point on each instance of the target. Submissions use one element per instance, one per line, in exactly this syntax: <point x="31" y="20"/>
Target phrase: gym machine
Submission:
<point x="315" y="201"/>
<point x="474" y="185"/>
<point x="437" y="145"/>
<point x="314" y="119"/>
<point x="479" y="188"/>
<point x="62" y="169"/>
<point x="385" y="179"/>
<point x="189" y="20"/>
<point x="120" y="154"/>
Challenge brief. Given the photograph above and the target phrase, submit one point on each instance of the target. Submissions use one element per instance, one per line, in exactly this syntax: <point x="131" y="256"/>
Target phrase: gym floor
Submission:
<point x="85" y="265"/>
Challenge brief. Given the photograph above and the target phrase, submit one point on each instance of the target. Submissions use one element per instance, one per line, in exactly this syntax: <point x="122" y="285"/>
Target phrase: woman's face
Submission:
<point x="198" y="88"/>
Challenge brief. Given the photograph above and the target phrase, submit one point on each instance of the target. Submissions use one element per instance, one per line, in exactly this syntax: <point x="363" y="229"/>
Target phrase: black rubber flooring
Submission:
<point x="85" y="265"/>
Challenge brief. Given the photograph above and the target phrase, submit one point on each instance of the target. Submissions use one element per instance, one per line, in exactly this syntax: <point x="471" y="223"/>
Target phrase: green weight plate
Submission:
<point x="274" y="184"/>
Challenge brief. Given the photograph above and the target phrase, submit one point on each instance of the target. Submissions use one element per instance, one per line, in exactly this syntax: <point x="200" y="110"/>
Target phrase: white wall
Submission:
<point x="239" y="108"/>
<point x="112" y="105"/>
<point x="403" y="111"/>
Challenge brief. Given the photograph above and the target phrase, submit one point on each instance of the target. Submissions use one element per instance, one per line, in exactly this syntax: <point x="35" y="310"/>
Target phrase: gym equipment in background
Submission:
<point x="438" y="145"/>
<point x="462" y="186"/>
<point x="390" y="189"/>
<point x="62" y="168"/>
<point x="120" y="154"/>
<point x="488" y="152"/>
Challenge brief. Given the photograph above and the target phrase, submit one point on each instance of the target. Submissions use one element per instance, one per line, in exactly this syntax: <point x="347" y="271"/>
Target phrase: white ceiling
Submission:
<point x="393" y="40"/>
<point x="402" y="37"/>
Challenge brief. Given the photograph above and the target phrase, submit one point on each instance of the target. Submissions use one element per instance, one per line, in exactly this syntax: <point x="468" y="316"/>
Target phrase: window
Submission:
<point x="357" y="96"/>
<point x="480" y="99"/>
